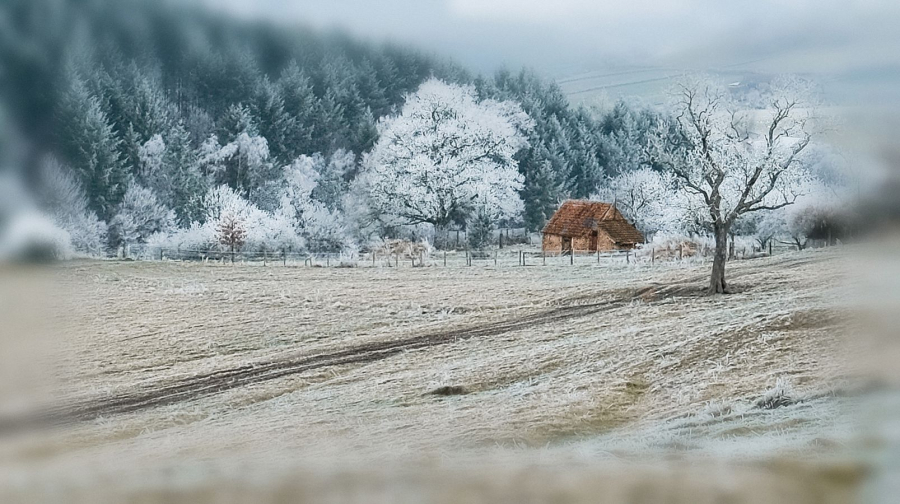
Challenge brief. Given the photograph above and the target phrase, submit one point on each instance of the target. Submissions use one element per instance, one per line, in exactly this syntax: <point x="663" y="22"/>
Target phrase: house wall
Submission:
<point x="552" y="243"/>
<point x="582" y="243"/>
<point x="604" y="242"/>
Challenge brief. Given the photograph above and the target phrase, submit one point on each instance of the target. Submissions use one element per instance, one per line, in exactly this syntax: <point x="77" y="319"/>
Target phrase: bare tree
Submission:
<point x="231" y="232"/>
<point x="732" y="159"/>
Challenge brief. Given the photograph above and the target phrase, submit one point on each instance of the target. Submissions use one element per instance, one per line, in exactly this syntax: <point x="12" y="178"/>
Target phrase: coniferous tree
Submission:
<point x="185" y="184"/>
<point x="88" y="142"/>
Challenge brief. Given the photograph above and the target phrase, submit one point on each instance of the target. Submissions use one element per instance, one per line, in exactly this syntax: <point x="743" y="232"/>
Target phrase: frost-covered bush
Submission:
<point x="325" y="231"/>
<point x="63" y="199"/>
<point x="682" y="246"/>
<point x="30" y="236"/>
<point x="139" y="216"/>
<point x="224" y="209"/>
<point x="196" y="239"/>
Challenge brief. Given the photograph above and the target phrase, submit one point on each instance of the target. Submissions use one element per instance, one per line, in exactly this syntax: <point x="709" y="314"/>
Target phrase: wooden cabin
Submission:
<point x="589" y="226"/>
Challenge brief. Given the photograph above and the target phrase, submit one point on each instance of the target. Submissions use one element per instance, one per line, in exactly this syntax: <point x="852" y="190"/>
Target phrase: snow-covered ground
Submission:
<point x="200" y="374"/>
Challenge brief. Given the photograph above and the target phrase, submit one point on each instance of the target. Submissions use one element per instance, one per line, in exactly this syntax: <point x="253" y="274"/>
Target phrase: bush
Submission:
<point x="32" y="237"/>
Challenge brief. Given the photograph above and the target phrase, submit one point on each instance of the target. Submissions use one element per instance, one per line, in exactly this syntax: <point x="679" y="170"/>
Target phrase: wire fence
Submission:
<point x="418" y="257"/>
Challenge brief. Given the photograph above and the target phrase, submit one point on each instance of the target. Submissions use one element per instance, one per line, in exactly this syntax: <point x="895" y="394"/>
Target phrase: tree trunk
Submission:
<point x="717" y="283"/>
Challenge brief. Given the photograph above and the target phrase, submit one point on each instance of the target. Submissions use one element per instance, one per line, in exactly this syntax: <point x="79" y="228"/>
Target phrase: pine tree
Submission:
<point x="187" y="184"/>
<point x="88" y="142"/>
<point x="480" y="229"/>
<point x="541" y="193"/>
<point x="274" y="123"/>
<point x="301" y="104"/>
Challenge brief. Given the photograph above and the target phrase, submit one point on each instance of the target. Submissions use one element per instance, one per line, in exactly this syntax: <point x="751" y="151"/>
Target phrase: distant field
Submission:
<point x="204" y="366"/>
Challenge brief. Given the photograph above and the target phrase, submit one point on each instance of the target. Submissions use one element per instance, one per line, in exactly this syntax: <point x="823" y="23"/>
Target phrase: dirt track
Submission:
<point x="187" y="388"/>
<point x="201" y="385"/>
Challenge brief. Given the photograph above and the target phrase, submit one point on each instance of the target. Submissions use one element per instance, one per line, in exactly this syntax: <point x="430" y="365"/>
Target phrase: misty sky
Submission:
<point x="836" y="39"/>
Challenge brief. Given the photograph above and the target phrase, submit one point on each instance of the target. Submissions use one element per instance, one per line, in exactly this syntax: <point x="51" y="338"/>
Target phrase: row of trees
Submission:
<point x="122" y="78"/>
<point x="189" y="127"/>
<point x="449" y="158"/>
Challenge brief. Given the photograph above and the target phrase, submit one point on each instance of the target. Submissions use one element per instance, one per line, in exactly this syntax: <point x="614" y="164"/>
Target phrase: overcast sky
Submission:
<point x="564" y="38"/>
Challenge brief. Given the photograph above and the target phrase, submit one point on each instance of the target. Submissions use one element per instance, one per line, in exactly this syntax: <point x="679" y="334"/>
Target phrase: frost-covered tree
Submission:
<point x="61" y="196"/>
<point x="480" y="229"/>
<point x="231" y="231"/>
<point x="767" y="226"/>
<point x="644" y="196"/>
<point x="445" y="154"/>
<point x="324" y="229"/>
<point x="139" y="216"/>
<point x="734" y="161"/>
<point x="263" y="231"/>
<point x="242" y="162"/>
<point x="185" y="183"/>
<point x="171" y="167"/>
<point x="332" y="182"/>
<point x="87" y="140"/>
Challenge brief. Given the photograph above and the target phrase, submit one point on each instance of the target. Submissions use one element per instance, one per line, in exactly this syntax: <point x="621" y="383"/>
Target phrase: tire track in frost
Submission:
<point x="206" y="384"/>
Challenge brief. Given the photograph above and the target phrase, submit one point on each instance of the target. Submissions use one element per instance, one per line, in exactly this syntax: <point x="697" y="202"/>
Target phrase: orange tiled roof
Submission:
<point x="577" y="218"/>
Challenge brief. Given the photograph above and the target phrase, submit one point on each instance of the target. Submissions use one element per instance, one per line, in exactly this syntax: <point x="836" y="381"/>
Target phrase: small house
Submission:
<point x="589" y="226"/>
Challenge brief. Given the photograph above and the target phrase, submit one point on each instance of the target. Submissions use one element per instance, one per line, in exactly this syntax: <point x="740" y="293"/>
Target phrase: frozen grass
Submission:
<point x="639" y="363"/>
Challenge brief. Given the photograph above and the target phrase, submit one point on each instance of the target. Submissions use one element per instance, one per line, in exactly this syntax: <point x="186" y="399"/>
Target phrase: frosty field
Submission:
<point x="360" y="378"/>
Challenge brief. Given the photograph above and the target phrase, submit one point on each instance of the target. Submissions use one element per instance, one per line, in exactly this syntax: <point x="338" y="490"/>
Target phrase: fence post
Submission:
<point x="680" y="251"/>
<point x="495" y="257"/>
<point x="598" y="254"/>
<point x="543" y="257"/>
<point x="327" y="260"/>
<point x="445" y="258"/>
<point x="160" y="253"/>
<point x="265" y="258"/>
<point x="628" y="257"/>
<point x="572" y="255"/>
<point x="523" y="258"/>
<point x="770" y="248"/>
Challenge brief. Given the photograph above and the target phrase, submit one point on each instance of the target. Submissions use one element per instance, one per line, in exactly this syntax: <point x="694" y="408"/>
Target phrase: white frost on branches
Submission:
<point x="447" y="154"/>
<point x="324" y="229"/>
<point x="645" y="197"/>
<point x="139" y="216"/>
<point x="730" y="161"/>
<point x="152" y="155"/>
<point x="733" y="160"/>
<point x="64" y="200"/>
